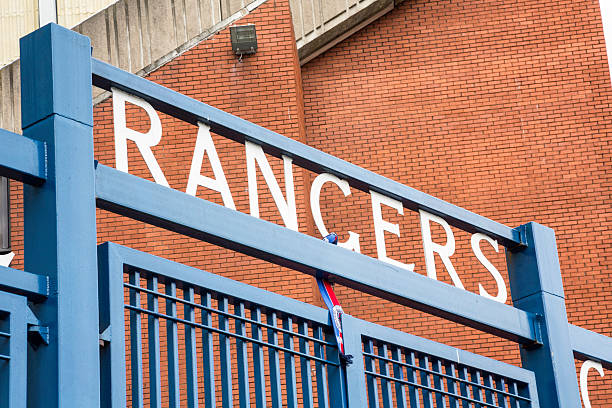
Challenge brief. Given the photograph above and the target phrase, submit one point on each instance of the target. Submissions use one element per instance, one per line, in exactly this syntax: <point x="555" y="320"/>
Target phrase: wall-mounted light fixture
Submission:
<point x="244" y="39"/>
<point x="5" y="217"/>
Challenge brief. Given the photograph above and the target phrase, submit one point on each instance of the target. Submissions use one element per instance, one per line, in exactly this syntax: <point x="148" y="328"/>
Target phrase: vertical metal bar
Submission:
<point x="512" y="389"/>
<point x="112" y="316"/>
<point x="335" y="374"/>
<point x="208" y="353"/>
<point x="320" y="370"/>
<point x="500" y="384"/>
<point x="242" y="358"/>
<point x="371" y="381"/>
<point x="172" y="340"/>
<point x="451" y="385"/>
<point x="307" y="400"/>
<point x="356" y="390"/>
<point x="154" y="344"/>
<point x="487" y="380"/>
<point x="289" y="363"/>
<point x="225" y="355"/>
<point x="426" y="381"/>
<point x="476" y="390"/>
<point x="136" y="342"/>
<point x="524" y="391"/>
<point x="398" y="372"/>
<point x="191" y="352"/>
<point x="537" y="287"/>
<point x="465" y="390"/>
<point x="60" y="215"/>
<point x="258" y="359"/>
<point x="413" y="378"/>
<point x="385" y="385"/>
<point x="273" y="360"/>
<point x="436" y="365"/>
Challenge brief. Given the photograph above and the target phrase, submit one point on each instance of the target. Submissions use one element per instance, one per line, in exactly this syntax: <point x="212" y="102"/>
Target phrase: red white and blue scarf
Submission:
<point x="331" y="301"/>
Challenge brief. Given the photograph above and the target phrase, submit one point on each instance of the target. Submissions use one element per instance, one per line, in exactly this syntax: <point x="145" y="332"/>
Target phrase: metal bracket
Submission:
<point x="37" y="333"/>
<point x="522" y="238"/>
<point x="538" y="321"/>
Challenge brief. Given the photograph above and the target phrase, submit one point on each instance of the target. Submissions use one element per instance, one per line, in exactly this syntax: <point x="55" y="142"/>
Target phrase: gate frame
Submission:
<point x="62" y="187"/>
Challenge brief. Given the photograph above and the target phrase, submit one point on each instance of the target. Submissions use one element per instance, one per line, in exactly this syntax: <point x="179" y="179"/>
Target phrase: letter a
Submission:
<point x="204" y="143"/>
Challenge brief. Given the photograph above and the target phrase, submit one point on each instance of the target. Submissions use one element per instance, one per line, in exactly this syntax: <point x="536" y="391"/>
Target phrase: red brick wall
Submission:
<point x="498" y="107"/>
<point x="264" y="89"/>
<point x="501" y="107"/>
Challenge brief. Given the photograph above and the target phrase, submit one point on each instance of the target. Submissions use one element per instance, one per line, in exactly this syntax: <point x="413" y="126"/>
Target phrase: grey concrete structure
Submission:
<point x="137" y="36"/>
<point x="141" y="35"/>
<point x="321" y="24"/>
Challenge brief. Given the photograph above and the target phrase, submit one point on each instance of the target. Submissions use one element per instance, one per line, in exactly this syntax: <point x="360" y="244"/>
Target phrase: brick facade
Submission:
<point x="502" y="108"/>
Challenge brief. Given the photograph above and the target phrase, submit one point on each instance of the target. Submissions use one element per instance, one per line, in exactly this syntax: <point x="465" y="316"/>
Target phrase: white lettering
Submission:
<point x="204" y="143"/>
<point x="380" y="226"/>
<point x="315" y="194"/>
<point x="502" y="292"/>
<point x="144" y="141"/>
<point x="255" y="154"/>
<point x="584" y="377"/>
<point x="445" y="251"/>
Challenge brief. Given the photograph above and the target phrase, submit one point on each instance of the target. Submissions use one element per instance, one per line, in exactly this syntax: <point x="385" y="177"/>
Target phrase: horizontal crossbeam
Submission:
<point x="33" y="286"/>
<point x="22" y="158"/>
<point x="588" y="345"/>
<point x="190" y="110"/>
<point x="122" y="193"/>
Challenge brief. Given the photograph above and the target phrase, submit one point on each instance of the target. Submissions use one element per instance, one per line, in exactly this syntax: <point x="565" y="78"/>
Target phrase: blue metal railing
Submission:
<point x="193" y="337"/>
<point x="13" y="346"/>
<point x="396" y="369"/>
<point x="215" y="341"/>
<point x="400" y="376"/>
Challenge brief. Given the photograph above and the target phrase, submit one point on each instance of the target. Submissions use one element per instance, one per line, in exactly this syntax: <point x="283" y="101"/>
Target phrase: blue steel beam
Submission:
<point x="33" y="286"/>
<point x="22" y="158"/>
<point x="537" y="287"/>
<point x="122" y="193"/>
<point x="60" y="217"/>
<point x="190" y="110"/>
<point x="588" y="345"/>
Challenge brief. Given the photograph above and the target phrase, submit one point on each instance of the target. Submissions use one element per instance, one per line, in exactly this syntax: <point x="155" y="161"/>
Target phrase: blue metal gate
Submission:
<point x="111" y="326"/>
<point x="225" y="343"/>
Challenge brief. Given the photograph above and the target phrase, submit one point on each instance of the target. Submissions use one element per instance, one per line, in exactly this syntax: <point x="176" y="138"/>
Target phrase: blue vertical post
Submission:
<point x="60" y="216"/>
<point x="536" y="285"/>
<point x="356" y="390"/>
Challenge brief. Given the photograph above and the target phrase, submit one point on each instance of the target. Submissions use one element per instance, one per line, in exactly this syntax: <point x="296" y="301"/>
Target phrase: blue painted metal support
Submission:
<point x="190" y="110"/>
<point x="588" y="345"/>
<point x="259" y="371"/>
<point x="536" y="286"/>
<point x="34" y="287"/>
<point x="60" y="218"/>
<point x="122" y="193"/>
<point x="136" y="345"/>
<point x="112" y="356"/>
<point x="356" y="391"/>
<point x="22" y="158"/>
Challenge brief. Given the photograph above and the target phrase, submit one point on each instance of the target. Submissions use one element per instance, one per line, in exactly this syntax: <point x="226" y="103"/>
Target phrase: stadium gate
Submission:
<point x="71" y="324"/>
